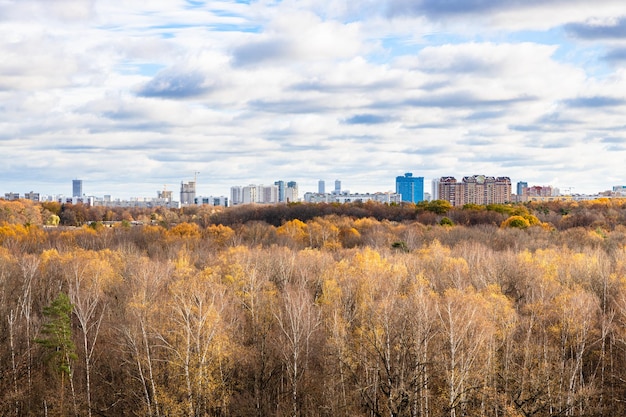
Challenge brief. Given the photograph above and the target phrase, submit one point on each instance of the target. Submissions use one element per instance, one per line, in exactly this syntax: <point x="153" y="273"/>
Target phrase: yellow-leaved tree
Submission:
<point x="90" y="275"/>
<point x="196" y="340"/>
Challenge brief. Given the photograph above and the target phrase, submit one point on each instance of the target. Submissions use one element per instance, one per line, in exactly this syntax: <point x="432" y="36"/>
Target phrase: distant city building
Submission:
<point x="264" y="194"/>
<point x="435" y="189"/>
<point x="77" y="188"/>
<point x="447" y="189"/>
<point x="249" y="194"/>
<point x="220" y="201"/>
<point x="236" y="195"/>
<point x="11" y="196"/>
<point x="291" y="193"/>
<point x="321" y="187"/>
<point x="337" y="187"/>
<point x="533" y="192"/>
<point x="187" y="192"/>
<point x="33" y="196"/>
<point x="281" y="190"/>
<point x="268" y="194"/>
<point x="387" y="197"/>
<point x="410" y="188"/>
<point x="619" y="190"/>
<point x="539" y="191"/>
<point x="134" y="202"/>
<point x="166" y="195"/>
<point x="520" y="187"/>
<point x="476" y="189"/>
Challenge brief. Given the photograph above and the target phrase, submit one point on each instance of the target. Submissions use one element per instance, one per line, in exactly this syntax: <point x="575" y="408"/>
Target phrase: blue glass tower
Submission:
<point x="77" y="188"/>
<point x="410" y="188"/>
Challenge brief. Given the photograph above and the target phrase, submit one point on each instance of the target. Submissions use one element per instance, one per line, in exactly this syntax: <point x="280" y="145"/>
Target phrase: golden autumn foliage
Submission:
<point x="327" y="315"/>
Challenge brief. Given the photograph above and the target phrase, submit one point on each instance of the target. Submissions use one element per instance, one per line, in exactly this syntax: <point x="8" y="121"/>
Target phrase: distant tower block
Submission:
<point x="410" y="188"/>
<point x="321" y="187"/>
<point x="188" y="192"/>
<point x="337" y="187"/>
<point x="77" y="188"/>
<point x="166" y="194"/>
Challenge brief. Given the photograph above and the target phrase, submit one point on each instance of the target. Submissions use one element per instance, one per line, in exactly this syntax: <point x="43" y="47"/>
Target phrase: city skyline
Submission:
<point x="131" y="97"/>
<point x="188" y="192"/>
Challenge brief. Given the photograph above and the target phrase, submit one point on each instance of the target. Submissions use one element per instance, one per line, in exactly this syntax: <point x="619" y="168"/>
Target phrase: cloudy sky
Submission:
<point x="135" y="95"/>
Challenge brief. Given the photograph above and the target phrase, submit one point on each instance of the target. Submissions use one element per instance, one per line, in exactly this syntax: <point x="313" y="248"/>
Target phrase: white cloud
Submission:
<point x="308" y="89"/>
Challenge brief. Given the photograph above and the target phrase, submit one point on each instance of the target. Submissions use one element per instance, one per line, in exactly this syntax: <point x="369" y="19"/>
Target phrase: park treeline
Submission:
<point x="313" y="310"/>
<point x="603" y="212"/>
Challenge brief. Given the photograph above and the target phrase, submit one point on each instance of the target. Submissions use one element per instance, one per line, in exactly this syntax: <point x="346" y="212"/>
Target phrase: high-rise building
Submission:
<point x="267" y="194"/>
<point x="291" y="194"/>
<point x="447" y="189"/>
<point x="321" y="187"/>
<point x="281" y="190"/>
<point x="520" y="187"/>
<point x="77" y="188"/>
<point x="435" y="189"/>
<point x="410" y="188"/>
<point x="236" y="195"/>
<point x="188" y="192"/>
<point x="337" y="187"/>
<point x="249" y="194"/>
<point x="476" y="189"/>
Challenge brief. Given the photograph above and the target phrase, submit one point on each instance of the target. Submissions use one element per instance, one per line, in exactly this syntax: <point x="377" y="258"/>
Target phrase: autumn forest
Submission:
<point x="313" y="310"/>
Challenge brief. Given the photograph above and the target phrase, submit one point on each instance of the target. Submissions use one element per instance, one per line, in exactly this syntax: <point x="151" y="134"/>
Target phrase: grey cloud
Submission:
<point x="525" y="128"/>
<point x="544" y="125"/>
<point x="460" y="100"/>
<point x="462" y="63"/>
<point x="258" y="52"/>
<point x="433" y="125"/>
<point x="484" y="115"/>
<point x="593" y="102"/>
<point x="616" y="148"/>
<point x="524" y="162"/>
<point x="592" y="32"/>
<point x="366" y="119"/>
<point x="551" y="122"/>
<point x="62" y="10"/>
<point x="182" y="157"/>
<point x="132" y="127"/>
<point x="620" y="141"/>
<point x="74" y="149"/>
<point x="616" y="55"/>
<point x="291" y="147"/>
<point x="426" y="150"/>
<point x="122" y="114"/>
<point x="478" y="142"/>
<point x="615" y="144"/>
<point x="439" y="8"/>
<point x="556" y="145"/>
<point x="289" y="106"/>
<point x="174" y="84"/>
<point x="345" y="87"/>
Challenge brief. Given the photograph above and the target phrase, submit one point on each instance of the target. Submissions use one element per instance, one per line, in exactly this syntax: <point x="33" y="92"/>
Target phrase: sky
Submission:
<point x="136" y="96"/>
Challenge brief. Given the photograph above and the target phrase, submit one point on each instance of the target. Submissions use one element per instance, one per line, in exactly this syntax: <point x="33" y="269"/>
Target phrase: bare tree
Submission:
<point x="298" y="320"/>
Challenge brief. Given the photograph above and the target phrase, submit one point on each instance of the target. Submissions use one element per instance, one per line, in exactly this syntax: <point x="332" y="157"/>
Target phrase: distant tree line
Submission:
<point x="603" y="212"/>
